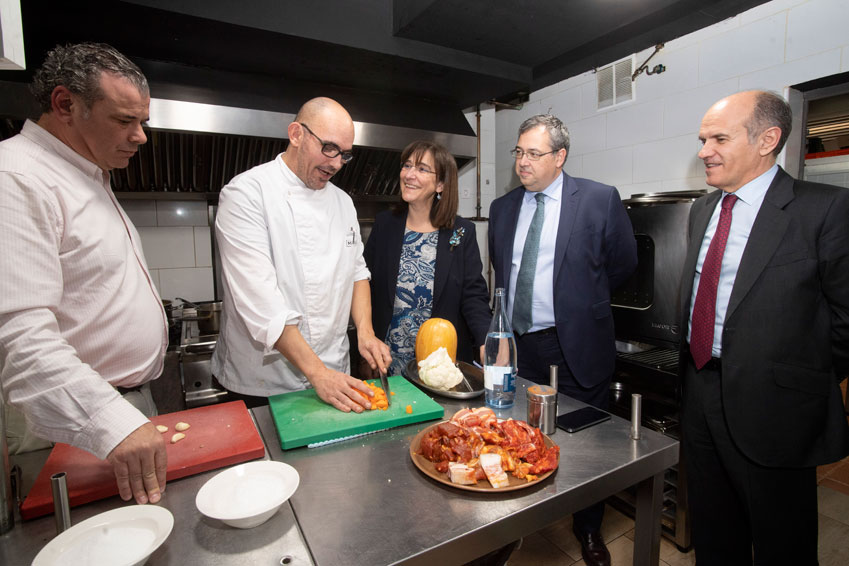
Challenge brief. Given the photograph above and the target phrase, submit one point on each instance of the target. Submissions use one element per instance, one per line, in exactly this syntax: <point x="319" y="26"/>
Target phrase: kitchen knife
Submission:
<point x="385" y="384"/>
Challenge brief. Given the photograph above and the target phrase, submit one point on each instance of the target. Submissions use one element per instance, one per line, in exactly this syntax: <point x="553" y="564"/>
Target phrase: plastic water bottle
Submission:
<point x="499" y="363"/>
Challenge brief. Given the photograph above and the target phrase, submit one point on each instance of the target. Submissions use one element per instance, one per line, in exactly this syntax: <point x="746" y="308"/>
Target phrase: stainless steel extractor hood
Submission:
<point x="210" y="118"/>
<point x="198" y="147"/>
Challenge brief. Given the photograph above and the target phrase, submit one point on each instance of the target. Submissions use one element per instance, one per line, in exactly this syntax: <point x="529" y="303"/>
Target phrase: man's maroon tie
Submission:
<point x="704" y="309"/>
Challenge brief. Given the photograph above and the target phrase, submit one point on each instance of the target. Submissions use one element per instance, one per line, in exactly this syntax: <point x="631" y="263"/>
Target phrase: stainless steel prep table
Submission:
<point x="194" y="541"/>
<point x="363" y="502"/>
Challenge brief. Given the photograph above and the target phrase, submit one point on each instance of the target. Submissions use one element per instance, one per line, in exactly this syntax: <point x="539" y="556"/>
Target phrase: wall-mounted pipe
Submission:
<point x="478" y="162"/>
<point x="645" y="65"/>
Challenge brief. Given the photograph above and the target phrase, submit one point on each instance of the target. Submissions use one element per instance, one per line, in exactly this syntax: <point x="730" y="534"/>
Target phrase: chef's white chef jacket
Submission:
<point x="77" y="306"/>
<point x="289" y="255"/>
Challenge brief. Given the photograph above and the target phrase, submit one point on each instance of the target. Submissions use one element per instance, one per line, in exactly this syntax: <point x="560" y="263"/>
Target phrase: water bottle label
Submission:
<point x="501" y="376"/>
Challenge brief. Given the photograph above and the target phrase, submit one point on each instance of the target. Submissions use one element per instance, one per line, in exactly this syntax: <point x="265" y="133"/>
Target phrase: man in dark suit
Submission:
<point x="765" y="308"/>
<point x="559" y="246"/>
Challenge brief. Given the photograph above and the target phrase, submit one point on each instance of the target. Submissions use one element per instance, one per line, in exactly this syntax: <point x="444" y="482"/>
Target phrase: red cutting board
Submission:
<point x="219" y="435"/>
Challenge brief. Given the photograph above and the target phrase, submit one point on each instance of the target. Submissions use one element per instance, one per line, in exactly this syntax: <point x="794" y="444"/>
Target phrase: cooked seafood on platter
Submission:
<point x="474" y="446"/>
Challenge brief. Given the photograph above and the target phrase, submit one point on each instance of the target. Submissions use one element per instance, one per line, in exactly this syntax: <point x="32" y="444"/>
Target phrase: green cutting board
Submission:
<point x="302" y="418"/>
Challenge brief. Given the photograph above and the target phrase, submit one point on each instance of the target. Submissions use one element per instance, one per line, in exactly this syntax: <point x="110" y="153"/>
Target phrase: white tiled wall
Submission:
<point x="176" y="239"/>
<point x="650" y="144"/>
<point x="467" y="177"/>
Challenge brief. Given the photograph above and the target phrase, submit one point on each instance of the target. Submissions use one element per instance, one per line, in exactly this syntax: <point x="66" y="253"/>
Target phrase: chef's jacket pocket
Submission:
<point x="272" y="357"/>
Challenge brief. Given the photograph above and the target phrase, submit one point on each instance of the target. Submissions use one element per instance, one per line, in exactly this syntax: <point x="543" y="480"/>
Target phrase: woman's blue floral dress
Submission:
<point x="413" y="297"/>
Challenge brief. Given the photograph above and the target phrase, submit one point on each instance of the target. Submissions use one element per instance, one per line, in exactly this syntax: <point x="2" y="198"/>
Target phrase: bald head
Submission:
<point x="741" y="135"/>
<point x="321" y="127"/>
<point x="322" y="106"/>
<point x="764" y="110"/>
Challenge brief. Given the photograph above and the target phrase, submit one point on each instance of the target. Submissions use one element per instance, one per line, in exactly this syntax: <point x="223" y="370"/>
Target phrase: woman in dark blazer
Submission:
<point x="424" y="260"/>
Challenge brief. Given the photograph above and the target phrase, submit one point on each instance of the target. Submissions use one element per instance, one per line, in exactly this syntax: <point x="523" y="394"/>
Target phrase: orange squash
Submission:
<point x="436" y="333"/>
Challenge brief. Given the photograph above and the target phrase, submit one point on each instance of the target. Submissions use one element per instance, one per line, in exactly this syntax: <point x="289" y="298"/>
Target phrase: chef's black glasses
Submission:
<point x="330" y="149"/>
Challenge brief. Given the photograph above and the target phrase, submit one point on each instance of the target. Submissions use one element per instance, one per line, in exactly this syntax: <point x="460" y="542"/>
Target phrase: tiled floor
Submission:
<point x="556" y="546"/>
<point x="835" y="476"/>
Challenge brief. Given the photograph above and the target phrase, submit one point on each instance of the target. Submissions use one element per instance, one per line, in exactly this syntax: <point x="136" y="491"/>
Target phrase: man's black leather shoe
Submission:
<point x="593" y="549"/>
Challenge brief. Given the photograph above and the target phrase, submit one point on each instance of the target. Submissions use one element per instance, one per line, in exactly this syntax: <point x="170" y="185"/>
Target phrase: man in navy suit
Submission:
<point x="559" y="246"/>
<point x="766" y="317"/>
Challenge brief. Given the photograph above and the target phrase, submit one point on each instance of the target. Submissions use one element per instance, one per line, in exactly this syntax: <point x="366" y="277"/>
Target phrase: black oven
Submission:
<point x="645" y="310"/>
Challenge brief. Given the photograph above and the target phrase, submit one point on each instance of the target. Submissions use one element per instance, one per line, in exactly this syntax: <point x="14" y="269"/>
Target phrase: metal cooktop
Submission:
<point x="195" y="355"/>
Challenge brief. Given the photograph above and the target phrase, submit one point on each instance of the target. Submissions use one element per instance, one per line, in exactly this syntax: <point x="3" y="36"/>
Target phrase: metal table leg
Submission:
<point x="649" y="505"/>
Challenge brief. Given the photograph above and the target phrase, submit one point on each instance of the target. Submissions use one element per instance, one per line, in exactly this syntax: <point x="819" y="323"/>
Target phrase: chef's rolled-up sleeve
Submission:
<point x="248" y="268"/>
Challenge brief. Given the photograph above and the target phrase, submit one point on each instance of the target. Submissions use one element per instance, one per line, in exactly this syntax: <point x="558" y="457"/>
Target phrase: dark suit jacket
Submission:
<point x="595" y="252"/>
<point x="459" y="295"/>
<point x="785" y="340"/>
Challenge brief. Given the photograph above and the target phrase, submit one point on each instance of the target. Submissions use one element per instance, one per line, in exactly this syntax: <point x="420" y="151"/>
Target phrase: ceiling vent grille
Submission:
<point x="614" y="83"/>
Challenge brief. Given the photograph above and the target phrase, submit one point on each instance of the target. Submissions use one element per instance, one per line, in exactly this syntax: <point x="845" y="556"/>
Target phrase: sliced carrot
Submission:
<point x="409" y="409"/>
<point x="378" y="401"/>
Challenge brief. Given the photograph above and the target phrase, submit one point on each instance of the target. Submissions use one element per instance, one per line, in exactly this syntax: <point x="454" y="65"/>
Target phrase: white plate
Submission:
<point x="247" y="495"/>
<point x="123" y="536"/>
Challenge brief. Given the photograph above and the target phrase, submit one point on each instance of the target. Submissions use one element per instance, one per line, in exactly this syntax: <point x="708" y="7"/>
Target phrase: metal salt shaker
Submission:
<point x="542" y="407"/>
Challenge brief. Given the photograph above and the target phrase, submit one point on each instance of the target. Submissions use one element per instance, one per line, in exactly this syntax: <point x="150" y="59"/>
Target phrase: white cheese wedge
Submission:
<point x="461" y="474"/>
<point x="491" y="464"/>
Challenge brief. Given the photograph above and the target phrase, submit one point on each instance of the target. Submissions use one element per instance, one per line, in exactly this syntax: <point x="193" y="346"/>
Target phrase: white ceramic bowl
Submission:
<point x="247" y="495"/>
<point x="126" y="536"/>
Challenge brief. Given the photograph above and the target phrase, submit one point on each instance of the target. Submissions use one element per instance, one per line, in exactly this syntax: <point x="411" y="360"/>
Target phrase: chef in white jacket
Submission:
<point x="293" y="271"/>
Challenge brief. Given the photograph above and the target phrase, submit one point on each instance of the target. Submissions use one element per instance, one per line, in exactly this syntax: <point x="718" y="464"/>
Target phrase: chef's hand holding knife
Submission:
<point x="139" y="463"/>
<point x="375" y="353"/>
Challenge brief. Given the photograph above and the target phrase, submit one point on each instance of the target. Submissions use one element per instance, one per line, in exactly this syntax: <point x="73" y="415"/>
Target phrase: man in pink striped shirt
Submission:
<point x="79" y="315"/>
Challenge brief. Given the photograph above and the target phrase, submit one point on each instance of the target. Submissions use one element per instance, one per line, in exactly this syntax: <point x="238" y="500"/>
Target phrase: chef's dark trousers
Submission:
<point x="536" y="351"/>
<point x="738" y="507"/>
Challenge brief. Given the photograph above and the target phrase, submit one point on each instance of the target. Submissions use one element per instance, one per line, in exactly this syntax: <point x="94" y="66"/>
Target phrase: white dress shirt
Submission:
<point x="542" y="304"/>
<point x="77" y="306"/>
<point x="289" y="255"/>
<point x="751" y="196"/>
